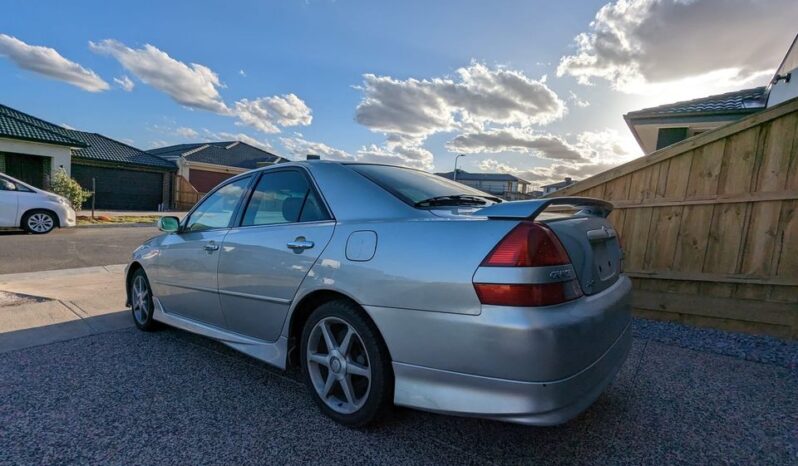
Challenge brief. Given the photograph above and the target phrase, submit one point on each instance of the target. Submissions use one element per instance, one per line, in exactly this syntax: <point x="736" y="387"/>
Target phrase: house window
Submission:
<point x="668" y="136"/>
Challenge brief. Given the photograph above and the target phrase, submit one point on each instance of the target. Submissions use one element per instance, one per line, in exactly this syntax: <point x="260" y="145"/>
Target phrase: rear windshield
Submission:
<point x="412" y="186"/>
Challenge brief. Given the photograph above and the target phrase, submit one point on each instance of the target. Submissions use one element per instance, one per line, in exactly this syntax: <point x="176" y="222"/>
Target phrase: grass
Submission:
<point x="117" y="219"/>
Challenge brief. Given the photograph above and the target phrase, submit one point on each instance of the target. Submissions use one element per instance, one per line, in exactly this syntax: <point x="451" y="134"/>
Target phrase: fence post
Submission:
<point x="93" y="195"/>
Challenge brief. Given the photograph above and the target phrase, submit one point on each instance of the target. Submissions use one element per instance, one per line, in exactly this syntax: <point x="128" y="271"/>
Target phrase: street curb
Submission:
<point x="117" y="225"/>
<point x="10" y="277"/>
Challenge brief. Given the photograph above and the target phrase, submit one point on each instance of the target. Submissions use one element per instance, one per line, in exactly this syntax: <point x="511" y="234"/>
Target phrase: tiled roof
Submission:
<point x="17" y="125"/>
<point x="108" y="150"/>
<point x="227" y="153"/>
<point x="466" y="176"/>
<point x="744" y="101"/>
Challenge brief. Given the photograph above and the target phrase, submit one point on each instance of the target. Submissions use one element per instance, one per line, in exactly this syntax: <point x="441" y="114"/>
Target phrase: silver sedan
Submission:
<point x="392" y="286"/>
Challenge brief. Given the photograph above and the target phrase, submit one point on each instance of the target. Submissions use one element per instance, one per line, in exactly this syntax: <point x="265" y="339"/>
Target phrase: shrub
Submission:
<point x="63" y="185"/>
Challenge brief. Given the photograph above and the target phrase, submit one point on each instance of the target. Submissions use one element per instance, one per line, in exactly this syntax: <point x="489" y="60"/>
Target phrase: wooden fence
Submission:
<point x="185" y="194"/>
<point x="709" y="226"/>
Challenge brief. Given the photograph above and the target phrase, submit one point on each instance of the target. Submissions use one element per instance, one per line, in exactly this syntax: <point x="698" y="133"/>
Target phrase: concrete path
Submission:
<point x="38" y="308"/>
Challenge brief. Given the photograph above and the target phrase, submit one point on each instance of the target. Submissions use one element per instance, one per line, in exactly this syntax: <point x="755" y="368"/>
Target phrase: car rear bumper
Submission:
<point x="533" y="403"/>
<point x="536" y="365"/>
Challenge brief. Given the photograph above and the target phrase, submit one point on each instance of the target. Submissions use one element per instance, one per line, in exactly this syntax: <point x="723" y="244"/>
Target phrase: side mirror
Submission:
<point x="6" y="185"/>
<point x="168" y="224"/>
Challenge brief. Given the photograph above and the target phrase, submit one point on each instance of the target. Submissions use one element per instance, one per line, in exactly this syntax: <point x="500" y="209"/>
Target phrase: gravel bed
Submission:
<point x="768" y="350"/>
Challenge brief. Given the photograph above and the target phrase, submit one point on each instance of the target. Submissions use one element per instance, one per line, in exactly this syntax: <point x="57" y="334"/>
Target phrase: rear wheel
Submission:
<point x="346" y="365"/>
<point x="141" y="301"/>
<point x="39" y="222"/>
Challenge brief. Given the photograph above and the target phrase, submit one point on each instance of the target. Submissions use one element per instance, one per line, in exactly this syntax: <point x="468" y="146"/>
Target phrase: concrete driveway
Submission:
<point x="114" y="395"/>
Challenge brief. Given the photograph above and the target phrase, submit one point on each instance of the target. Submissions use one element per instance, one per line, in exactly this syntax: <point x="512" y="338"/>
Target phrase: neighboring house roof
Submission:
<point x="463" y="175"/>
<point x="227" y="153"/>
<point x="105" y="149"/>
<point x="744" y="101"/>
<point x="17" y="125"/>
<point x="91" y="146"/>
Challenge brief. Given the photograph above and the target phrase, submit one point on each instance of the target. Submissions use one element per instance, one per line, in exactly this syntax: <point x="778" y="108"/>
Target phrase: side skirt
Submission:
<point x="270" y="352"/>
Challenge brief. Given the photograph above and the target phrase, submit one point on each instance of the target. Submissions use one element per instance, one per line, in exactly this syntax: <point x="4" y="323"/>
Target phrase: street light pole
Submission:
<point x="454" y="177"/>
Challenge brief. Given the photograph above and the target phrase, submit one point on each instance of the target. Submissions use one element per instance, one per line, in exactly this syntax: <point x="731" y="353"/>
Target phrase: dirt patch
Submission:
<point x="15" y="299"/>
<point x="117" y="219"/>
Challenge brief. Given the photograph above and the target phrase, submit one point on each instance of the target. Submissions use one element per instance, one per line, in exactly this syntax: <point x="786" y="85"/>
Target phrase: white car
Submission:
<point x="32" y="209"/>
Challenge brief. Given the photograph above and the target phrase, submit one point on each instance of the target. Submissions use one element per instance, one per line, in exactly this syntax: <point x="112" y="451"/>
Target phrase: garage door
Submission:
<point x="204" y="181"/>
<point x="121" y="189"/>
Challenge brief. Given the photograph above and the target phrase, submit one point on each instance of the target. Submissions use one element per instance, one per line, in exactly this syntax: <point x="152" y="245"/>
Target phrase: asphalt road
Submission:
<point x="69" y="248"/>
<point x="130" y="397"/>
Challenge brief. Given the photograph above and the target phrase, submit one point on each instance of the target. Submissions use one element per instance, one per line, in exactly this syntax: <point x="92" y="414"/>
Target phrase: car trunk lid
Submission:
<point x="582" y="227"/>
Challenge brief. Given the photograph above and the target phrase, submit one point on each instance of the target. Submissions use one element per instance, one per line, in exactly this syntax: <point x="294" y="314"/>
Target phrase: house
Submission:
<point x="206" y="164"/>
<point x="126" y="178"/>
<point x="658" y="127"/>
<point x="503" y="185"/>
<point x="550" y="188"/>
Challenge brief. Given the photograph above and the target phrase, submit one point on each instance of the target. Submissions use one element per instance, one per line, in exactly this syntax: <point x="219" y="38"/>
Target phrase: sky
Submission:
<point x="533" y="88"/>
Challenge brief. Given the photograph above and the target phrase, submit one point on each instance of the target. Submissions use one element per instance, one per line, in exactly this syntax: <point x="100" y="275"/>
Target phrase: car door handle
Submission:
<point x="211" y="246"/>
<point x="299" y="244"/>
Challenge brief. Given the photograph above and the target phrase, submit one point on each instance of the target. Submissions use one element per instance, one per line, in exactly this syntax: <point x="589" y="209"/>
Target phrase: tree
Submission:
<point x="63" y="185"/>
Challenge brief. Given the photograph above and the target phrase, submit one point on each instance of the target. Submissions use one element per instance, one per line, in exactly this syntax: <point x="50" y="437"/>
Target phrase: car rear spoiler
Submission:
<point x="532" y="208"/>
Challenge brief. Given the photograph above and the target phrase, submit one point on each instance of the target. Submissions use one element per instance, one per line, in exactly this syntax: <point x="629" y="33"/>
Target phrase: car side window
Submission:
<point x="283" y="197"/>
<point x="6" y="185"/>
<point x="217" y="210"/>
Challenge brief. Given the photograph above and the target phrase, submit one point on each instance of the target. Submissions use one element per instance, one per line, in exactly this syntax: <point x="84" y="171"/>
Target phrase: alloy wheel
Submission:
<point x="40" y="222"/>
<point x="338" y="365"/>
<point x="139" y="300"/>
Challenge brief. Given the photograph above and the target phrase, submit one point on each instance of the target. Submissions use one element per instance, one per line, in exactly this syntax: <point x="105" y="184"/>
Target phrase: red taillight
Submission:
<point x="528" y="245"/>
<point x="539" y="294"/>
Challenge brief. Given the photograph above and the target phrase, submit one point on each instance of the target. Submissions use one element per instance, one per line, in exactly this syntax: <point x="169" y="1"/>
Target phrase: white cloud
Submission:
<point x="125" y="83"/>
<point x="242" y="73"/>
<point x="598" y="151"/>
<point x="48" y="62"/>
<point x="579" y="102"/>
<point x="413" y="156"/>
<point x="192" y="85"/>
<point x="479" y="96"/>
<point x="515" y="140"/>
<point x="266" y="113"/>
<point x="64" y="125"/>
<point x="300" y="148"/>
<point x="685" y="48"/>
<point x="187" y="133"/>
<point x="197" y="86"/>
<point x="494" y="166"/>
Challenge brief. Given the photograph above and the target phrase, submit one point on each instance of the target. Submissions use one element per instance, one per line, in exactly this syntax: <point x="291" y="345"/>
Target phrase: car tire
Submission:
<point x="353" y="385"/>
<point x="39" y="222"/>
<point x="141" y="305"/>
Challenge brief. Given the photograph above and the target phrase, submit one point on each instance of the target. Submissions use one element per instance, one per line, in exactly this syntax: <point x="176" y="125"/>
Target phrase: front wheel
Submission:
<point x="141" y="301"/>
<point x="346" y="364"/>
<point x="39" y="222"/>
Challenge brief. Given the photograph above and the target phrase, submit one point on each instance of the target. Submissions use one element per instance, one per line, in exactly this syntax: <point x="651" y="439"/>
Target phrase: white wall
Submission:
<point x="59" y="155"/>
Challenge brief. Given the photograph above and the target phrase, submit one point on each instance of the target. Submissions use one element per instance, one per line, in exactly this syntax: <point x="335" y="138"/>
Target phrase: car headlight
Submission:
<point x="58" y="199"/>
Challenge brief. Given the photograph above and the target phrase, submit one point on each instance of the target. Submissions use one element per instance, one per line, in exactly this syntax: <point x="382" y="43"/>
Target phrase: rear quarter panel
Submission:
<point x="423" y="264"/>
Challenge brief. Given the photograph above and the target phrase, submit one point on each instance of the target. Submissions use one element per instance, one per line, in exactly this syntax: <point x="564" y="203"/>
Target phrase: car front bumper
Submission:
<point x="67" y="217"/>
